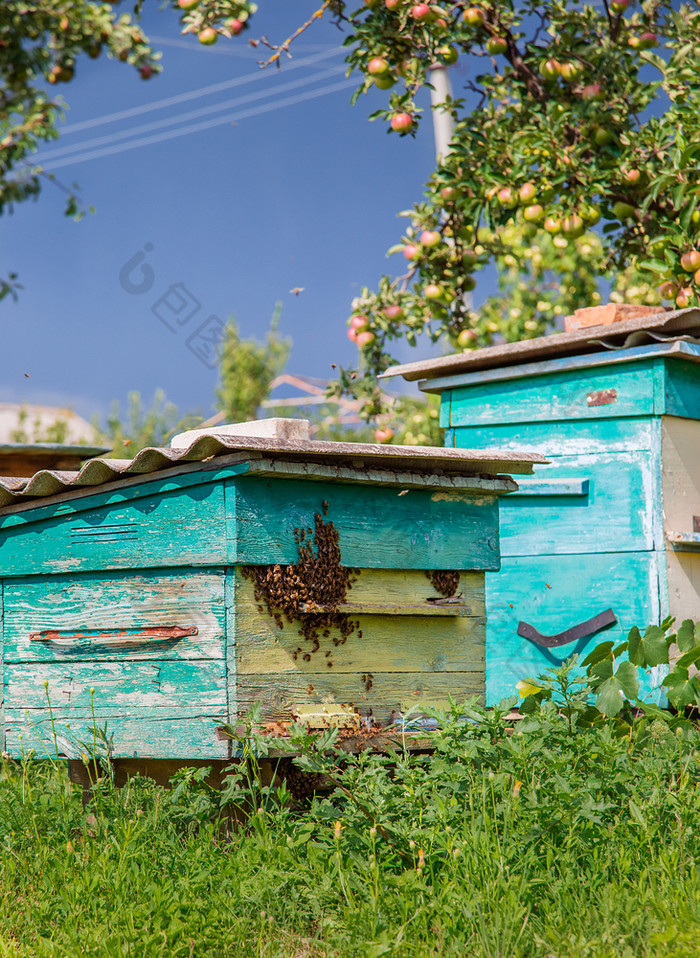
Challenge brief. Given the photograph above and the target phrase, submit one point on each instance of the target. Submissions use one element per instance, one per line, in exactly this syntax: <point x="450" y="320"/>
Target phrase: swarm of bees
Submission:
<point x="444" y="581"/>
<point x="317" y="579"/>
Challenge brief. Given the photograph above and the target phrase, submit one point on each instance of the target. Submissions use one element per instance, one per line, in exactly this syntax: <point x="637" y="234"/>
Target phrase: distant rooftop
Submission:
<point x="27" y="423"/>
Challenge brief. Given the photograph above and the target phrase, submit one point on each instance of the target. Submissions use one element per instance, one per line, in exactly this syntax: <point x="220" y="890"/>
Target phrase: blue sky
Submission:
<point x="224" y="187"/>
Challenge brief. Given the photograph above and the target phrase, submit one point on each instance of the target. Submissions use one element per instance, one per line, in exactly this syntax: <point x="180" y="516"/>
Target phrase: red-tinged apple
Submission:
<point x="633" y="42"/>
<point x="632" y="176"/>
<point x="668" y="290"/>
<point x="593" y="91"/>
<point x="553" y="225"/>
<point x="383" y="435"/>
<point x="207" y="36"/>
<point x="684" y="297"/>
<point x="433" y="291"/>
<point x="473" y="16"/>
<point x="411" y="251"/>
<point x="187" y="4"/>
<point x="696" y="277"/>
<point x="527" y="192"/>
<point x="466" y="338"/>
<point x="430" y="238"/>
<point x="146" y="71"/>
<point x="393" y="311"/>
<point x="420" y="11"/>
<point x="573" y="226"/>
<point x="506" y="197"/>
<point x="359" y="322"/>
<point x="690" y="261"/>
<point x="377" y="66"/>
<point x="449" y="193"/>
<point x="619" y="6"/>
<point x="235" y="26"/>
<point x="392" y="4"/>
<point x="550" y="69"/>
<point x="401" y="122"/>
<point x="352" y="335"/>
<point x="496" y="45"/>
<point x="448" y="54"/>
<point x="647" y="40"/>
<point x="364" y="338"/>
<point x="570" y="71"/>
<point x="533" y="213"/>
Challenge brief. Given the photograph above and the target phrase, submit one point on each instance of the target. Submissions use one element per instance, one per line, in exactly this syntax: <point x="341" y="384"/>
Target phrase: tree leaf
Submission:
<point x="651" y="649"/>
<point x="612" y="693"/>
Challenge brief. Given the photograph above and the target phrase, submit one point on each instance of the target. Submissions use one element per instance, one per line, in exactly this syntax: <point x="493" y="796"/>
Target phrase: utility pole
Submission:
<point x="443" y="127"/>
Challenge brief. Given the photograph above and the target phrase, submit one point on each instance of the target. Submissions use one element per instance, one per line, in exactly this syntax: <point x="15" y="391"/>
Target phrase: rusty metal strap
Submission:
<point x="581" y="631"/>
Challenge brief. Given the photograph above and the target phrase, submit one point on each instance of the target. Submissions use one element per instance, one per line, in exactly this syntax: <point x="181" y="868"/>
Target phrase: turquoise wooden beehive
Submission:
<point x="164" y="596"/>
<point x="608" y="534"/>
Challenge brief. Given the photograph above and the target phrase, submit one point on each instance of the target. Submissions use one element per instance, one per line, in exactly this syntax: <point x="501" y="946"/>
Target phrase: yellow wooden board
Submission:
<point x="390" y="694"/>
<point x="380" y="643"/>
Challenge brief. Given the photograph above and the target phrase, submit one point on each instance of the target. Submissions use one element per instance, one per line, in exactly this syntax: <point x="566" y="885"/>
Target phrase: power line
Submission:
<point x="198" y="127"/>
<point x="193" y="94"/>
<point x="192" y="114"/>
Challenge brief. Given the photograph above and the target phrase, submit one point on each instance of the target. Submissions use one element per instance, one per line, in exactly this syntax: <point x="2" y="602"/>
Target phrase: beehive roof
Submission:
<point x="211" y="452"/>
<point x="665" y="326"/>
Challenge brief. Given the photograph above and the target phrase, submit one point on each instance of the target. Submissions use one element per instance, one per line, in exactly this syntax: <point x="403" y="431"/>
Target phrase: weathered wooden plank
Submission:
<point x="125" y="688"/>
<point x="151" y="737"/>
<point x="681" y="390"/>
<point x="389" y="692"/>
<point x="386" y="645"/>
<point x="184" y="527"/>
<point x="2" y="665"/>
<point x="554" y="439"/>
<point x="616" y="515"/>
<point x="230" y="598"/>
<point x="680" y="444"/>
<point x="571" y="394"/>
<point x="688" y="352"/>
<point x="683" y="576"/>
<point x="412" y="587"/>
<point x="554" y="593"/>
<point x="85" y="604"/>
<point x="378" y="527"/>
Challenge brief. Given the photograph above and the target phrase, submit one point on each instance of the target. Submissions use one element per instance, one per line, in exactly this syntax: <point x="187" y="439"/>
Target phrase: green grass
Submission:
<point x="551" y="839"/>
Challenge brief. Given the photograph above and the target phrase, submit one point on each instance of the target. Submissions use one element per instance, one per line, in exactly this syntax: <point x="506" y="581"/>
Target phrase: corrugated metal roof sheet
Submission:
<point x="680" y="324"/>
<point x="357" y="456"/>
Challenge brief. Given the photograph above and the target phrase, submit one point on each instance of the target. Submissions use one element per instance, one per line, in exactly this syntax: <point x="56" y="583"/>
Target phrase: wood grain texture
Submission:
<point x="130" y="689"/>
<point x="387" y="644"/>
<point x="553" y="593"/>
<point x="680" y="445"/>
<point x="616" y="515"/>
<point x="554" y="439"/>
<point x="151" y="737"/>
<point x="116" y="601"/>
<point x="681" y="390"/>
<point x="184" y="527"/>
<point x="390" y="692"/>
<point x="683" y="576"/>
<point x="412" y="587"/>
<point x="556" y="396"/>
<point x="378" y="527"/>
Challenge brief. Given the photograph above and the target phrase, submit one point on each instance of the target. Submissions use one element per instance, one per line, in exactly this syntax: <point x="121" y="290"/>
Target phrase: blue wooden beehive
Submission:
<point x="166" y="595"/>
<point x="607" y="535"/>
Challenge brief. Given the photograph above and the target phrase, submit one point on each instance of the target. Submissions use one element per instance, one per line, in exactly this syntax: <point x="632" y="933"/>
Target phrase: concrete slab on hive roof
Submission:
<point x="273" y="428"/>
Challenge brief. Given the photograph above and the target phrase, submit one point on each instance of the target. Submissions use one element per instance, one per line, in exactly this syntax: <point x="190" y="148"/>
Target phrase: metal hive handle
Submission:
<point x="581" y="631"/>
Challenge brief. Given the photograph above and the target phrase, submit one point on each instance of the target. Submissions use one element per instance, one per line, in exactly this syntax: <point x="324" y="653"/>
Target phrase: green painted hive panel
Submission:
<point x="140" y="655"/>
<point x="181" y="527"/>
<point x="378" y="527"/>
